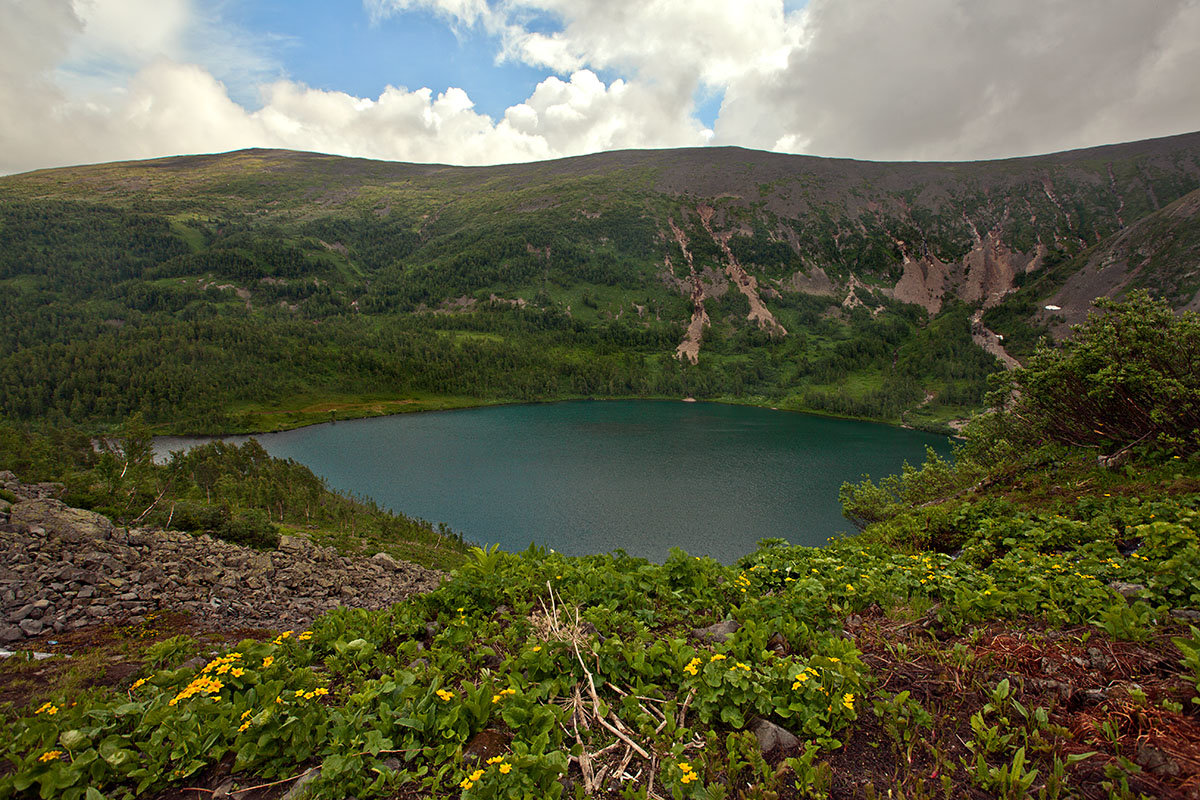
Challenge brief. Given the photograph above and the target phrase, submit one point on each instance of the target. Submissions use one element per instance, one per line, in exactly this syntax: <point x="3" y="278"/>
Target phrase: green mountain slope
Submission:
<point x="261" y="289"/>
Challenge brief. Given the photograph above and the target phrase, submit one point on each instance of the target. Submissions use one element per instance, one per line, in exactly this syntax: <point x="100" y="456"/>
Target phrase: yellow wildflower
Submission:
<point x="848" y="700"/>
<point x="50" y="755"/>
<point x="47" y="708"/>
<point x="717" y="657"/>
<point x="237" y="672"/>
<point x="139" y="683"/>
<point x="537" y="648"/>
<point x="268" y="661"/>
<point x="505" y="769"/>
<point x="691" y="667"/>
<point x="495" y="759"/>
<point x="304" y="637"/>
<point x="445" y="695"/>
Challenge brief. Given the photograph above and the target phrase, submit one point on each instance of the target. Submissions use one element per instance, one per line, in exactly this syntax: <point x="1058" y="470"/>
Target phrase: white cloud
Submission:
<point x="940" y="79"/>
<point x="869" y="79"/>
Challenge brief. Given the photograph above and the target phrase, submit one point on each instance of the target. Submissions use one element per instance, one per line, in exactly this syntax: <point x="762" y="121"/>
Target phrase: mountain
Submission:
<point x="267" y="288"/>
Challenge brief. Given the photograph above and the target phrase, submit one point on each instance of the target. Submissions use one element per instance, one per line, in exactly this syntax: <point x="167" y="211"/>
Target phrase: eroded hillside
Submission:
<point x="719" y="272"/>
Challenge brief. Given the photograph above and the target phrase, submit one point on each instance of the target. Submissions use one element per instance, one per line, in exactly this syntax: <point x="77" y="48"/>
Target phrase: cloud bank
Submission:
<point x="880" y="79"/>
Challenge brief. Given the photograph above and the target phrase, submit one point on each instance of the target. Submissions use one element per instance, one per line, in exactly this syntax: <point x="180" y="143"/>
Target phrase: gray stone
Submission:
<point x="10" y="633"/>
<point x="1127" y="590"/>
<point x="32" y="627"/>
<point x="301" y="787"/>
<point x="771" y="737"/>
<point x="385" y="561"/>
<point x="717" y="633"/>
<point x="1186" y="614"/>
<point x="71" y="524"/>
<point x="24" y="612"/>
<point x="1156" y="761"/>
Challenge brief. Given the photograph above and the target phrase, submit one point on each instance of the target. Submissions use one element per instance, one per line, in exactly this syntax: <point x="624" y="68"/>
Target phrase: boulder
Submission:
<point x="772" y="737"/>
<point x="70" y="524"/>
<point x="1127" y="590"/>
<point x="717" y="633"/>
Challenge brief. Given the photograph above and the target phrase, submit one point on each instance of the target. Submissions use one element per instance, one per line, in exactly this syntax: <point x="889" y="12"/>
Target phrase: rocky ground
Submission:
<point x="63" y="569"/>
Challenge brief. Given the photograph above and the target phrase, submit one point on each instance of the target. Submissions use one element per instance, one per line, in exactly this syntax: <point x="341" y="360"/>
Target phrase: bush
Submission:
<point x="1128" y="376"/>
<point x="251" y="528"/>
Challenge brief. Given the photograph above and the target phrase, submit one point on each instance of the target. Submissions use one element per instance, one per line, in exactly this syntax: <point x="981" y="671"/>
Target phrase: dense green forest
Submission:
<point x="117" y="332"/>
<point x="1013" y="623"/>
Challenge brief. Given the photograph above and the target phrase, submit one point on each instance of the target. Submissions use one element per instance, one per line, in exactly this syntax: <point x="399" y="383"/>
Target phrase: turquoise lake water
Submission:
<point x="591" y="477"/>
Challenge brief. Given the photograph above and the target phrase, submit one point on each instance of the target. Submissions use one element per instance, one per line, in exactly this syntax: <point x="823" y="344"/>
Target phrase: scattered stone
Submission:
<point x="717" y="633"/>
<point x="64" y="568"/>
<point x="1186" y="614"/>
<point x="771" y="737"/>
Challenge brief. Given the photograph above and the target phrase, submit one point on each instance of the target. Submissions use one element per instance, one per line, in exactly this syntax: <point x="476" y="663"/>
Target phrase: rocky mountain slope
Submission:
<point x="63" y="569"/>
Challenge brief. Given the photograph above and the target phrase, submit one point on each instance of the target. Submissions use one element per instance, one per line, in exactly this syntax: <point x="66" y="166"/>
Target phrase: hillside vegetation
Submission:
<point x="237" y="493"/>
<point x="259" y="290"/>
<point x="1012" y="624"/>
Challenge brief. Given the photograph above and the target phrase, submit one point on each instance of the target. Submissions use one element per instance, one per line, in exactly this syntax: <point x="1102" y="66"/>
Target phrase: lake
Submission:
<point x="590" y="477"/>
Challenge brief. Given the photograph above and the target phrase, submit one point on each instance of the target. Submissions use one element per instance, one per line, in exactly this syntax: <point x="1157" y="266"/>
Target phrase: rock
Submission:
<point x="1127" y="590"/>
<point x="385" y="561"/>
<point x="1186" y="614"/>
<point x="69" y="568"/>
<point x="301" y="787"/>
<point x="717" y="633"/>
<point x="71" y="524"/>
<point x="771" y="737"/>
<point x="10" y="633"/>
<point x="32" y="627"/>
<point x="1156" y="761"/>
<point x="22" y="613"/>
<point x="484" y="745"/>
<point x="1098" y="660"/>
<point x="224" y="789"/>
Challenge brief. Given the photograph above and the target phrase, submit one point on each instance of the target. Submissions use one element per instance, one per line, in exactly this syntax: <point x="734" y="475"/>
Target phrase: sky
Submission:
<point x="501" y="81"/>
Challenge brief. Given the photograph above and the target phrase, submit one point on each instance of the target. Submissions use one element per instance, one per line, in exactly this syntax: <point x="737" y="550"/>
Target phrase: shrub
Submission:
<point x="1128" y="376"/>
<point x="251" y="528"/>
